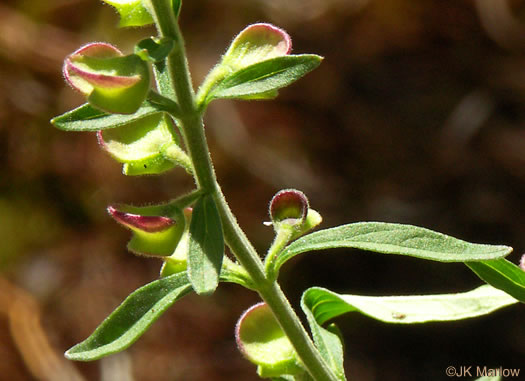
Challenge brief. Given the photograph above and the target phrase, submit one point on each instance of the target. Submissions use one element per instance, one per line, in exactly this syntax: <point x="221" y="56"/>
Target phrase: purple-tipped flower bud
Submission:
<point x="81" y="78"/>
<point x="522" y="262"/>
<point x="153" y="235"/>
<point x="289" y="206"/>
<point x="110" y="80"/>
<point x="254" y="44"/>
<point x="258" y="42"/>
<point x="148" y="224"/>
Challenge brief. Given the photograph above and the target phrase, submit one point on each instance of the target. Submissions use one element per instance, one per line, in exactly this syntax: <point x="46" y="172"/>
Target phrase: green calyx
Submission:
<point x="145" y="146"/>
<point x="111" y="81"/>
<point x="262" y="341"/>
<point x="256" y="43"/>
<point x="178" y="261"/>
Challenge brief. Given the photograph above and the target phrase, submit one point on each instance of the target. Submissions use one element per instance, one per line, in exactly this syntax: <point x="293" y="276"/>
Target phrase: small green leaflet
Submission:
<point x="501" y="274"/>
<point x="154" y="49"/>
<point x="88" y="118"/>
<point x="206" y="251"/>
<point x="263" y="79"/>
<point x="389" y="238"/>
<point x="132" y="318"/>
<point x="483" y="300"/>
<point x="177" y="5"/>
<point x="132" y="12"/>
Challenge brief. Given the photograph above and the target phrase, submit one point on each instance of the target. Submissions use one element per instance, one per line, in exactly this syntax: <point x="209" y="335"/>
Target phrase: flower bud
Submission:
<point x="256" y="43"/>
<point x="153" y="235"/>
<point x="522" y="262"/>
<point x="288" y="206"/>
<point x="110" y="80"/>
<point x="262" y="341"/>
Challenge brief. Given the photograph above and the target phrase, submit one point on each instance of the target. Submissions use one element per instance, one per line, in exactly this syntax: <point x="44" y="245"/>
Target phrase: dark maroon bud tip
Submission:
<point x="289" y="205"/>
<point x="149" y="224"/>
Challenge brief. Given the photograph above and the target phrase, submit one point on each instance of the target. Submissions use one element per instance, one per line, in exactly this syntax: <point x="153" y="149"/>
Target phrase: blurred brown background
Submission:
<point x="416" y="116"/>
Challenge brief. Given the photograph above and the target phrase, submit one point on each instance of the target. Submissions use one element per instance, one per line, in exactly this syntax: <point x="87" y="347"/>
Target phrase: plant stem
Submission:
<point x="193" y="131"/>
<point x="283" y="236"/>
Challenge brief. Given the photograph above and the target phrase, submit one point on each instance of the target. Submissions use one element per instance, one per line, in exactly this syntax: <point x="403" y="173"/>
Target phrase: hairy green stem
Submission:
<point x="166" y="104"/>
<point x="283" y="236"/>
<point x="193" y="133"/>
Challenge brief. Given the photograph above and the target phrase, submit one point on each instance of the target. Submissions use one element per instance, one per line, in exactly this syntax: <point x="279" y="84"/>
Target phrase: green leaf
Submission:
<point x="299" y="377"/>
<point x="132" y="318"/>
<point x="326" y="305"/>
<point x="262" y="341"/>
<point x="264" y="78"/>
<point x="88" y="118"/>
<point x="132" y="12"/>
<point x="177" y="5"/>
<point x="206" y="246"/>
<point x="501" y="274"/>
<point x="154" y="49"/>
<point x="327" y="340"/>
<point x="163" y="79"/>
<point x="388" y="238"/>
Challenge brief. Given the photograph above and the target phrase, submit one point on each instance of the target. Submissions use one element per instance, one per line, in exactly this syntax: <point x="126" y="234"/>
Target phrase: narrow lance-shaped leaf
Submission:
<point x="264" y="78"/>
<point x="88" y="118"/>
<point x="388" y="238"/>
<point x="501" y="274"/>
<point x="206" y="250"/>
<point x="326" y="305"/>
<point x="132" y="318"/>
<point x="327" y="340"/>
